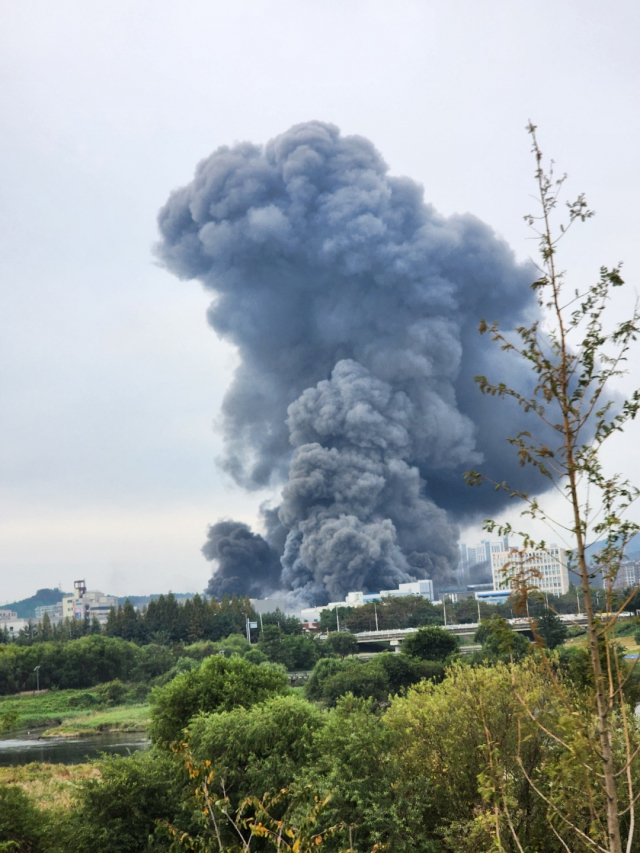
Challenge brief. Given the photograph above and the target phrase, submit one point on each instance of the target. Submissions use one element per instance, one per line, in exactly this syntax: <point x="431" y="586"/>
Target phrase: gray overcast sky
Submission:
<point x="110" y="380"/>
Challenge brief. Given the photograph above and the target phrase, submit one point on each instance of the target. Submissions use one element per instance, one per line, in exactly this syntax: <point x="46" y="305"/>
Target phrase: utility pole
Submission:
<point x="444" y="611"/>
<point x="478" y="603"/>
<point x="337" y="619"/>
<point x="376" y="615"/>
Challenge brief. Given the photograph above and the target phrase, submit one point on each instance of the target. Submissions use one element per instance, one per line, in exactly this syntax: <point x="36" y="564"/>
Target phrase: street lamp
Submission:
<point x="37" y="672"/>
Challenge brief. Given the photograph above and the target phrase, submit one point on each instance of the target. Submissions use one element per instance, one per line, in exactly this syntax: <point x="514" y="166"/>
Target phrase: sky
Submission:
<point x="110" y="379"/>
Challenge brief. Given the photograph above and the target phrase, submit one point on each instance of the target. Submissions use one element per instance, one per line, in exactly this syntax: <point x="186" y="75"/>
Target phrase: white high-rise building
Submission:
<point x="550" y="562"/>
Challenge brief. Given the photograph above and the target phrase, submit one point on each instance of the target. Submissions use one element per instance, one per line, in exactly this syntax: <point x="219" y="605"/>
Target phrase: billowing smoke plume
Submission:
<point x="247" y="565"/>
<point x="354" y="307"/>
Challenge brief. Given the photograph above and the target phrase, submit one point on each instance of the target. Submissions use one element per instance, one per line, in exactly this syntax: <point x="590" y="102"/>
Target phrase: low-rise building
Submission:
<point x="87" y="604"/>
<point x="54" y="611"/>
<point x="14" y="626"/>
<point x="7" y="616"/>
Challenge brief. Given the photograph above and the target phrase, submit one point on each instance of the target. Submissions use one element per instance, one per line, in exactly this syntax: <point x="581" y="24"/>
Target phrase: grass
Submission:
<point x="49" y="786"/>
<point x="627" y="642"/>
<point x="57" y="710"/>
<point x="123" y="718"/>
<point x="32" y="711"/>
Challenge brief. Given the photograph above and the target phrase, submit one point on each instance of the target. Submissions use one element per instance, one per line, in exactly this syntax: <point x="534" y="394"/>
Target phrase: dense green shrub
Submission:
<point x="293" y="651"/>
<point x="22" y="826"/>
<point x="75" y="664"/>
<point x="499" y="641"/>
<point x="341" y="643"/>
<point x="83" y="700"/>
<point x="551" y="629"/>
<point x="386" y="673"/>
<point x="117" y="813"/>
<point x="358" y="764"/>
<point x="219" y="684"/>
<point x="112" y="693"/>
<point x="430" y="643"/>
<point x="257" y="749"/>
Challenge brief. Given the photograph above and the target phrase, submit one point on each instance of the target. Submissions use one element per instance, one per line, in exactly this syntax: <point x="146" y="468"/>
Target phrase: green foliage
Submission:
<point x="551" y="629"/>
<point x="402" y="670"/>
<point x="21" y="824"/>
<point x="574" y="663"/>
<point x="375" y="679"/>
<point x="373" y="801"/>
<point x="499" y="641"/>
<point x="341" y="643"/>
<point x="168" y="621"/>
<point x="77" y="664"/>
<point x="9" y="721"/>
<point x="293" y="651"/>
<point x="126" y="622"/>
<point x="411" y="611"/>
<point x="257" y="749"/>
<point x="431" y="643"/>
<point x="112" y="693"/>
<point x="287" y="624"/>
<point x="331" y="620"/>
<point x="117" y="813"/>
<point x="576" y="350"/>
<point x="459" y="743"/>
<point x="219" y="684"/>
<point x="83" y="700"/>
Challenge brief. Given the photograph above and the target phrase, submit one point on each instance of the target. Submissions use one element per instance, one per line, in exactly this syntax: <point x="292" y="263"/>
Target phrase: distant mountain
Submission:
<point x="26" y="609"/>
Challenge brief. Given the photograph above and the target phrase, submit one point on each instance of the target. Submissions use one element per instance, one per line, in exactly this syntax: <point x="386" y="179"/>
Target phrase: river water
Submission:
<point x="25" y="748"/>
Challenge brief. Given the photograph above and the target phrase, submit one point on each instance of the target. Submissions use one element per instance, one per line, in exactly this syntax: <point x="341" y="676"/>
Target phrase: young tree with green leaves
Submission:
<point x="551" y="629"/>
<point x="575" y="350"/>
<point x="341" y="643"/>
<point x="430" y="643"/>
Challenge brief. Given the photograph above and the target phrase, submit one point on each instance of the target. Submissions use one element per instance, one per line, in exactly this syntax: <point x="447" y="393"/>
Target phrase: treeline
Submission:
<point x="167" y="621"/>
<point x="95" y="659"/>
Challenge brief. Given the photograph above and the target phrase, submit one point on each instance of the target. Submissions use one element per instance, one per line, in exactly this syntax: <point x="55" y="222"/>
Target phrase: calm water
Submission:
<point x="59" y="750"/>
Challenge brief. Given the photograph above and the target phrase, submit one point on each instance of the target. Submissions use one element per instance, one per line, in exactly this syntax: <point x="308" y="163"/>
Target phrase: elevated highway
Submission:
<point x="396" y="635"/>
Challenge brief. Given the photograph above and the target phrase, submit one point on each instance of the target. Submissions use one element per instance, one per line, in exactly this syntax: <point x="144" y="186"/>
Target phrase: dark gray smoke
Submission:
<point x="247" y="565"/>
<point x="354" y="307"/>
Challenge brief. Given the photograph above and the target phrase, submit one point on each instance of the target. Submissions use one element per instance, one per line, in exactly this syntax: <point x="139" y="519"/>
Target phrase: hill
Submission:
<point x="26" y="608"/>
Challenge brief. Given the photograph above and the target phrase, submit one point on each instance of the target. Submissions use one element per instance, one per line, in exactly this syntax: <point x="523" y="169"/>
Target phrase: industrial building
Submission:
<point x="357" y="599"/>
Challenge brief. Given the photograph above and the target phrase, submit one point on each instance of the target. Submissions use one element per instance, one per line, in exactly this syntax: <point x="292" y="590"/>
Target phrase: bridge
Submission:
<point x="396" y="635"/>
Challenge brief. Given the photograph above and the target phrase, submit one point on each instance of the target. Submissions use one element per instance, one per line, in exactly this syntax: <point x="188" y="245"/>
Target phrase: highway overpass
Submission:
<point x="396" y="635"/>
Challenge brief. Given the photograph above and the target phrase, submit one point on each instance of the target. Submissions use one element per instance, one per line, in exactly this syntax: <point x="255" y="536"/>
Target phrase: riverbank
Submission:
<point x="125" y="718"/>
<point x="71" y="712"/>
